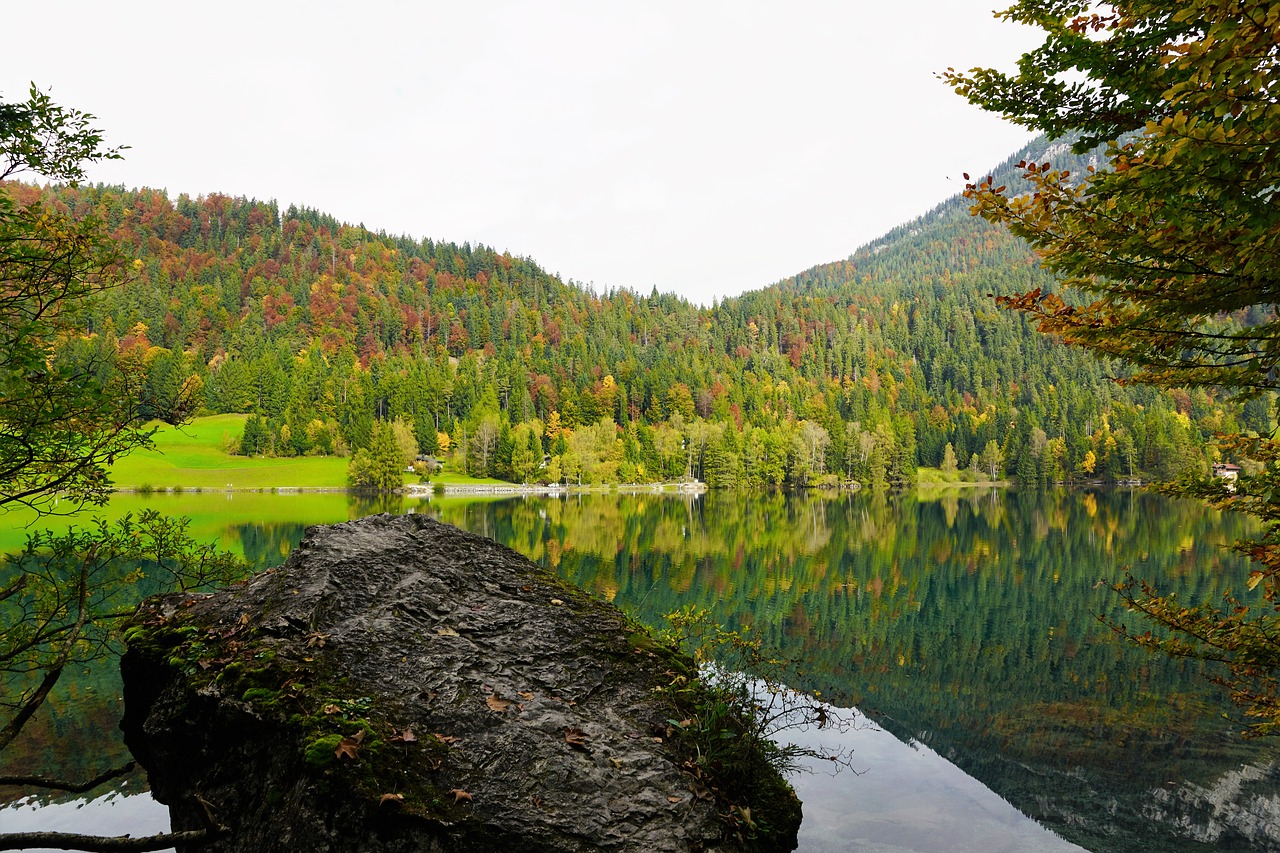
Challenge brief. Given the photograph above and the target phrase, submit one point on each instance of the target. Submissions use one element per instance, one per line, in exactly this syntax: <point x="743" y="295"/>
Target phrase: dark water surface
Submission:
<point x="997" y="712"/>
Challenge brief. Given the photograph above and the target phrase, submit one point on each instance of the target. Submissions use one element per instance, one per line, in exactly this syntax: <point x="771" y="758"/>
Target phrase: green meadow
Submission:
<point x="195" y="457"/>
<point x="191" y="473"/>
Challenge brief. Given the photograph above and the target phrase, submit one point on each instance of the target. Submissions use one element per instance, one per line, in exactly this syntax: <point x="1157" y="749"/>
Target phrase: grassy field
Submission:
<point x="195" y="456"/>
<point x="448" y="478"/>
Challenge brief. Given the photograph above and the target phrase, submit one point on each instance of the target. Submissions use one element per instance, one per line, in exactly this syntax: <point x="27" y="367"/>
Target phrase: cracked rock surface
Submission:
<point x="481" y="702"/>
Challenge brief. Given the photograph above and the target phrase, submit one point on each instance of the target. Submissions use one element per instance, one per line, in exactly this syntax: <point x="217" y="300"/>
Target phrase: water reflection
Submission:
<point x="964" y="625"/>
<point x="967" y="624"/>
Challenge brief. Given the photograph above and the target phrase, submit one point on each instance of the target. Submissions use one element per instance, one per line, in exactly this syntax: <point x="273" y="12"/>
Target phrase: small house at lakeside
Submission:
<point x="1226" y="470"/>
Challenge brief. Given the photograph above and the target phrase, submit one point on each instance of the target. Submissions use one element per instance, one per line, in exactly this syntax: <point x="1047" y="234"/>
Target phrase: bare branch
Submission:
<point x="69" y="787"/>
<point x="105" y="844"/>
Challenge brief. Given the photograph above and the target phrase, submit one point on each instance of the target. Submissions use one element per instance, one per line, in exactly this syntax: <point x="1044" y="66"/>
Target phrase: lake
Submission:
<point x="995" y="711"/>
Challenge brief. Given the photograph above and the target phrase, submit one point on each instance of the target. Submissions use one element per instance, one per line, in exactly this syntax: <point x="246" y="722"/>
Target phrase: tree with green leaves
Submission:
<point x="380" y="466"/>
<point x="1167" y="247"/>
<point x="65" y="412"/>
<point x="70" y="403"/>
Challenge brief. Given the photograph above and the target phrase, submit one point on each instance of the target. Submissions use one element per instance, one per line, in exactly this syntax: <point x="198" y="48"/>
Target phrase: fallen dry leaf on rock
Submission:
<point x="496" y="704"/>
<point x="394" y="799"/>
<point x="349" y="747"/>
<point x="576" y="738"/>
<point x="459" y="795"/>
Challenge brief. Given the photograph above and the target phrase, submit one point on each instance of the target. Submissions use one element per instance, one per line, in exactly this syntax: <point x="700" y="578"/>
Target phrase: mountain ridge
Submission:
<point x="859" y="370"/>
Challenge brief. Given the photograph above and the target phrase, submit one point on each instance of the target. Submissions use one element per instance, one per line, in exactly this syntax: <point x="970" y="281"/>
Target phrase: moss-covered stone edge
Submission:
<point x="277" y="679"/>
<point x="282" y="678"/>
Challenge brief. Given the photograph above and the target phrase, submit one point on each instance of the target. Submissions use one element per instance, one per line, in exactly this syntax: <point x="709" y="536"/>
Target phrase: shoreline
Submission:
<point x="419" y="490"/>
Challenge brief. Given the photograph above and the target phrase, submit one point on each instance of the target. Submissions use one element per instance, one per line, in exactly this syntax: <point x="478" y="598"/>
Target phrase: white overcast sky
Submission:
<point x="706" y="148"/>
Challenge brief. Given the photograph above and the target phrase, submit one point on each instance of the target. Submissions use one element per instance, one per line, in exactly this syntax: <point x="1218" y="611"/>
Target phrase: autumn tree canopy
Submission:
<point x="1174" y="238"/>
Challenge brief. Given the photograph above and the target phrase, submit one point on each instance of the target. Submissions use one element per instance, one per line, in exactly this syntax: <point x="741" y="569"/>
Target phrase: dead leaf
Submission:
<point x="615" y="762"/>
<point x="244" y="619"/>
<point x="391" y="798"/>
<point x="575" y="738"/>
<point x="406" y="736"/>
<point x="674" y="799"/>
<point x="316" y="640"/>
<point x="528" y="697"/>
<point x="496" y="704"/>
<point x="537" y="801"/>
<point x="349" y="747"/>
<point x="446" y="631"/>
<point x="556" y="601"/>
<point x="459" y="795"/>
<point x="446" y="738"/>
<point x="331" y="709"/>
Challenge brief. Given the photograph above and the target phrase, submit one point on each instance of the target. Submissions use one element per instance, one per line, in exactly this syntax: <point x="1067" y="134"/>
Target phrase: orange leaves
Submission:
<point x="496" y="704"/>
<point x="576" y="738"/>
<point x="460" y="795"/>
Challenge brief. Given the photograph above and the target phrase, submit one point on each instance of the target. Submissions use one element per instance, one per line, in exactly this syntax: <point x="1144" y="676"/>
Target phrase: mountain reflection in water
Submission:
<point x="964" y="625"/>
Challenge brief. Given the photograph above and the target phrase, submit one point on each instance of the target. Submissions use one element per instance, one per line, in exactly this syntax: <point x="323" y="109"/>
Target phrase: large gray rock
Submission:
<point x="402" y="685"/>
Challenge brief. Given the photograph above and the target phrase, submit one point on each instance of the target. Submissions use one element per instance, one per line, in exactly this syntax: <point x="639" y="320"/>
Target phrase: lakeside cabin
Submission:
<point x="1226" y="471"/>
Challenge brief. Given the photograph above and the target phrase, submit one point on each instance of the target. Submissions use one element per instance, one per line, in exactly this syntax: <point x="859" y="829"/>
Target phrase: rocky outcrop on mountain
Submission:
<point x="399" y="684"/>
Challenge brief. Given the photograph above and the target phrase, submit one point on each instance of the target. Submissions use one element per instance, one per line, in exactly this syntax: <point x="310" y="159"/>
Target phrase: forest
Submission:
<point x="335" y="338"/>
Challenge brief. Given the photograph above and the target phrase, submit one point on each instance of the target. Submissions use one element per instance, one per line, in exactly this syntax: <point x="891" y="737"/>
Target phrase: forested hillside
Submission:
<point x="860" y="370"/>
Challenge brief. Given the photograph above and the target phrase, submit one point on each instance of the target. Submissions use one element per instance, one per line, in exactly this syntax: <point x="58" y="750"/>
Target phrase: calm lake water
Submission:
<point x="995" y="711"/>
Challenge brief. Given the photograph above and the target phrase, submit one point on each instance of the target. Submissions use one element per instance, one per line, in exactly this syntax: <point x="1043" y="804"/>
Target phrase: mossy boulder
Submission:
<point x="399" y="684"/>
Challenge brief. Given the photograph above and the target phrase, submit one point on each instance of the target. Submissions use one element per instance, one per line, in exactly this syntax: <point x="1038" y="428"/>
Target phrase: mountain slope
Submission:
<point x="860" y="369"/>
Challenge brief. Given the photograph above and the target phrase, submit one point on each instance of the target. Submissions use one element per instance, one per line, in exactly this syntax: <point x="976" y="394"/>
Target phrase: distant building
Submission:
<point x="1226" y="470"/>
